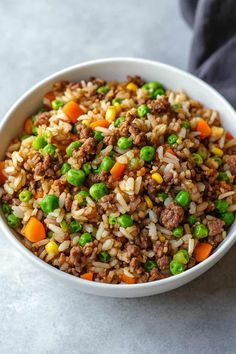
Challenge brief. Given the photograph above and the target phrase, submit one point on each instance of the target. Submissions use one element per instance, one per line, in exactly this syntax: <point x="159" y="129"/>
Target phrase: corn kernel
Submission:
<point x="148" y="201"/>
<point x="216" y="151"/>
<point x="179" y="140"/>
<point x="52" y="248"/>
<point x="216" y="133"/>
<point x="132" y="87"/>
<point x="85" y="122"/>
<point x="162" y="238"/>
<point x="111" y="114"/>
<point x="157" y="177"/>
<point x="117" y="107"/>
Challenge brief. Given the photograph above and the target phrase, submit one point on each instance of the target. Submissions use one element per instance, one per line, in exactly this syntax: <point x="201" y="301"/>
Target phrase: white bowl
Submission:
<point x="108" y="69"/>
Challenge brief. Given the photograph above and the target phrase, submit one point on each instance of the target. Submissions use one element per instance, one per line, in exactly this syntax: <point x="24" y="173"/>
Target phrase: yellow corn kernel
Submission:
<point x="85" y="122"/>
<point x="162" y="238"/>
<point x="179" y="140"/>
<point x="157" y="177"/>
<point x="117" y="107"/>
<point x="132" y="87"/>
<point x="148" y="201"/>
<point x="217" y="151"/>
<point x="110" y="114"/>
<point x="216" y="133"/>
<point x="52" y="248"/>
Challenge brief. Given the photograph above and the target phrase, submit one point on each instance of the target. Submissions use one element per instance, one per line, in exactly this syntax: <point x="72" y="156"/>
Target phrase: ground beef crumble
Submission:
<point x="171" y="216"/>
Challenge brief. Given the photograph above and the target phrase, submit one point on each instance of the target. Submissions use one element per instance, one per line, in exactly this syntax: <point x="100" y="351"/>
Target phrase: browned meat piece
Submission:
<point x="215" y="240"/>
<point x="97" y="81"/>
<point x="42" y="119"/>
<point x="163" y="263"/>
<point x="214" y="226"/>
<point x="83" y="132"/>
<point x="124" y="126"/>
<point x="68" y="202"/>
<point x="110" y="139"/>
<point x="97" y="177"/>
<point x="6" y="197"/>
<point x="155" y="275"/>
<point x="160" y="248"/>
<point x="88" y="249"/>
<point x="137" y="134"/>
<point x="135" y="266"/>
<point x="151" y="186"/>
<point x="231" y="162"/>
<point x="60" y="85"/>
<point x="75" y="256"/>
<point x="108" y="202"/>
<point x="231" y="150"/>
<point x="87" y="147"/>
<point x="160" y="105"/>
<point x="60" y="185"/>
<point x="171" y="216"/>
<point x="191" y="262"/>
<point x="132" y="250"/>
<point x="137" y="80"/>
<point x="43" y="167"/>
<point x="36" y="158"/>
<point x="143" y="241"/>
<point x="62" y="258"/>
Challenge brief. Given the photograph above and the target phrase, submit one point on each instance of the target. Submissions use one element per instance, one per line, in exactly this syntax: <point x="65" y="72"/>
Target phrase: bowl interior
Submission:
<point x="118" y="69"/>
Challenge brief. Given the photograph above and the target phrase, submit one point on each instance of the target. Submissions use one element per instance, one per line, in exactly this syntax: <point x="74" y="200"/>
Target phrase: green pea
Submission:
<point x="124" y="143"/>
<point x="104" y="257"/>
<point x="24" y="136"/>
<point x="49" y="203"/>
<point x="143" y="110"/>
<point x="221" y="206"/>
<point x="118" y="121"/>
<point x="74" y="226"/>
<point x="112" y="220"/>
<point x="116" y="100"/>
<point x="125" y="220"/>
<point x="65" y="168"/>
<point x="49" y="234"/>
<point x="95" y="170"/>
<point x="34" y="128"/>
<point x="192" y="219"/>
<point x="85" y="238"/>
<point x="98" y="190"/>
<point x="74" y="145"/>
<point x="183" y="198"/>
<point x="56" y="104"/>
<point x="13" y="221"/>
<point x="200" y="231"/>
<point x="103" y="89"/>
<point x="176" y="267"/>
<point x="87" y="168"/>
<point x="158" y="92"/>
<point x="222" y="176"/>
<point x="181" y="256"/>
<point x="172" y="139"/>
<point x="134" y="163"/>
<point x="98" y="135"/>
<point x="49" y="149"/>
<point x="178" y="231"/>
<point x="106" y="164"/>
<point x="197" y="159"/>
<point x="227" y="217"/>
<point x="149" y="265"/>
<point x="39" y="143"/>
<point x="81" y="197"/>
<point x="75" y="177"/>
<point x="152" y="85"/>
<point x="64" y="225"/>
<point x="6" y="209"/>
<point x="147" y="153"/>
<point x="162" y="196"/>
<point x="218" y="160"/>
<point x="25" y="196"/>
<point x="185" y="124"/>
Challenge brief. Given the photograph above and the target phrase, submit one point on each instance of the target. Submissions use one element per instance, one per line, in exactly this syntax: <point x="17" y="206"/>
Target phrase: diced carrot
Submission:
<point x="229" y="136"/>
<point x="203" y="128"/>
<point x="202" y="251"/>
<point x="117" y="170"/>
<point x="224" y="185"/>
<point x="49" y="96"/>
<point x="28" y="126"/>
<point x="87" y="276"/>
<point x="38" y="194"/>
<point x="127" y="280"/>
<point x="2" y="176"/>
<point x="170" y="151"/>
<point x="100" y="123"/>
<point x="34" y="230"/>
<point x="72" y="110"/>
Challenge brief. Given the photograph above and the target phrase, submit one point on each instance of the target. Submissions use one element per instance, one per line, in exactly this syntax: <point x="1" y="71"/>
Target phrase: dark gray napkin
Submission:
<point x="213" y="51"/>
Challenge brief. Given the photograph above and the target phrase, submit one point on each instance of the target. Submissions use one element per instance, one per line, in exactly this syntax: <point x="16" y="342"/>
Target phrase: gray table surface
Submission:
<point x="41" y="316"/>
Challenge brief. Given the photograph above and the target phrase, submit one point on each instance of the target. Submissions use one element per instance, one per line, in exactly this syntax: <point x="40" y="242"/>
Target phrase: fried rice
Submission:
<point x="120" y="182"/>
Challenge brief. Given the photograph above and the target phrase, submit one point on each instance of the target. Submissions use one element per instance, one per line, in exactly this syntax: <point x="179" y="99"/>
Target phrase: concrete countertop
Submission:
<point x="38" y="315"/>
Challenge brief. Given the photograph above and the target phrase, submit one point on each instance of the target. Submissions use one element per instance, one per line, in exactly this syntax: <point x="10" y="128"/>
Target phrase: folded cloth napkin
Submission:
<point x="213" y="52"/>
